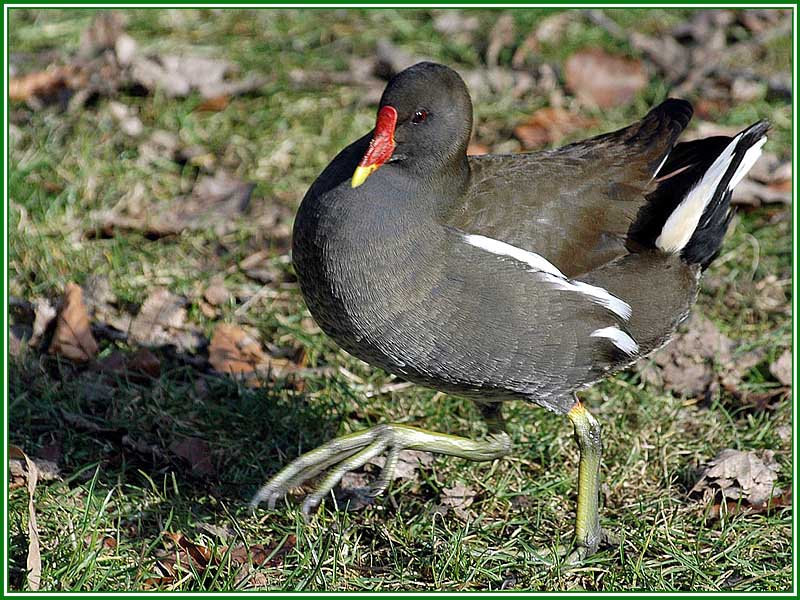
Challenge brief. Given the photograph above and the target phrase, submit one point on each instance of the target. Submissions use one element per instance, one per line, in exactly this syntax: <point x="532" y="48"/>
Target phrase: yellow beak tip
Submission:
<point x="360" y="175"/>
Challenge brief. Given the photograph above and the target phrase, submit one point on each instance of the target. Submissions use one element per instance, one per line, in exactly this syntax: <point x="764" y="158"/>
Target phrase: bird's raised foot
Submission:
<point x="337" y="457"/>
<point x="350" y="452"/>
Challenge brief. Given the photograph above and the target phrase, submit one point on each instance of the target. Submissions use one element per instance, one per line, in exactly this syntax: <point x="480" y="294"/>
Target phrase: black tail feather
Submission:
<point x="682" y="171"/>
<point x="705" y="243"/>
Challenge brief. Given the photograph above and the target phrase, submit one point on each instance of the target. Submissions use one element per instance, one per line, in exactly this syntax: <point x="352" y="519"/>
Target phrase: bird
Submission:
<point x="524" y="276"/>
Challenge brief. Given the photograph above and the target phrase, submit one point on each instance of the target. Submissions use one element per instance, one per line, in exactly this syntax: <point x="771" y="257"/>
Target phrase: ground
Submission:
<point x="157" y="463"/>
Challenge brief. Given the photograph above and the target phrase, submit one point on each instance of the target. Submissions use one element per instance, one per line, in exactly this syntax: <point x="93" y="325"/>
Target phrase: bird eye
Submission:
<point x="419" y="116"/>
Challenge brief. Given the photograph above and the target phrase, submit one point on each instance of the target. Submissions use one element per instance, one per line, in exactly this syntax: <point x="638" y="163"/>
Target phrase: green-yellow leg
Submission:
<point x="350" y="452"/>
<point x="588" y="533"/>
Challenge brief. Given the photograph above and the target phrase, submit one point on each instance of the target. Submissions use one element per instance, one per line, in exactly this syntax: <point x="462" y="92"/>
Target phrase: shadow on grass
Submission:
<point x="186" y="447"/>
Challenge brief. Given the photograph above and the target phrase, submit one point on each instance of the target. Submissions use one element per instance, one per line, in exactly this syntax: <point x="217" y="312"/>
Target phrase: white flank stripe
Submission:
<point x="551" y="272"/>
<point x="750" y="157"/>
<point x="621" y="339"/>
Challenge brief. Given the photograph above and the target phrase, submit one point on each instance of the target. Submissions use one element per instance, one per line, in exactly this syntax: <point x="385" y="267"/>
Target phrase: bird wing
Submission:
<point x="573" y="205"/>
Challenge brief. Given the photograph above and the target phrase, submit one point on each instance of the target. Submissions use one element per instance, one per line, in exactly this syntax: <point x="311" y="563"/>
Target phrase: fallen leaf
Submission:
<point x="44" y="315"/>
<point x="222" y="532"/>
<point x="235" y="352"/>
<point x="770" y="295"/>
<point x="27" y="470"/>
<point x="102" y="33"/>
<point x="771" y="170"/>
<point x="551" y="29"/>
<point x="673" y="59"/>
<point x="476" y="149"/>
<point x="42" y="84"/>
<point x="180" y="75"/>
<point x="457" y="25"/>
<point x="216" y="293"/>
<point x="141" y="362"/>
<point x="408" y="462"/>
<point x="459" y="498"/>
<point x="734" y="507"/>
<point x="73" y="337"/>
<point x="485" y="84"/>
<point x="258" y="267"/>
<point x="209" y="312"/>
<point x="197" y="453"/>
<point x="751" y="193"/>
<point x="162" y="322"/>
<point x="214" y="202"/>
<point x="271" y="555"/>
<point x="601" y="79"/>
<point x="215" y="104"/>
<point x="501" y="36"/>
<point x="781" y="369"/>
<point x="686" y="364"/>
<point x="747" y="477"/>
<point x="549" y="126"/>
<point x="145" y="362"/>
<point x="199" y="555"/>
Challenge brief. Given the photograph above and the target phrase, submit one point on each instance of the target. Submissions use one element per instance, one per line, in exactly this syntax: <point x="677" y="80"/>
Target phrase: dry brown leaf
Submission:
<point x="606" y="80"/>
<point x="501" y="36"/>
<point x="73" y="337"/>
<point x="752" y="193"/>
<point x="259" y="554"/>
<point x="408" y="462"/>
<point x="43" y="84"/>
<point x="145" y="362"/>
<point x="549" y="126"/>
<point x="214" y="202"/>
<point x="770" y="295"/>
<point x="215" y="104"/>
<point x="234" y="352"/>
<point x="747" y="477"/>
<point x="162" y="322"/>
<point x="199" y="555"/>
<point x="44" y="315"/>
<point x="734" y="507"/>
<point x="477" y="149"/>
<point x="102" y="33"/>
<point x="197" y="453"/>
<point x="353" y="492"/>
<point x="178" y="76"/>
<point x="457" y="25"/>
<point x="673" y="59"/>
<point x="551" y="29"/>
<point x="28" y="471"/>
<point x="258" y="267"/>
<point x="781" y="369"/>
<point x="459" y="498"/>
<point x="686" y="364"/>
<point x="216" y="293"/>
<point x="209" y="312"/>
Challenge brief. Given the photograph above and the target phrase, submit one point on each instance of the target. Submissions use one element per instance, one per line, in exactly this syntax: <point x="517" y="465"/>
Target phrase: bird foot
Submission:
<point x="337" y="457"/>
<point x="350" y="452"/>
<point x="575" y="554"/>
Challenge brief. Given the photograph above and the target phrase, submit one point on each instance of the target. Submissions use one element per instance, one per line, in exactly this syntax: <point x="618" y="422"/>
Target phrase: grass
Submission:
<point x="124" y="484"/>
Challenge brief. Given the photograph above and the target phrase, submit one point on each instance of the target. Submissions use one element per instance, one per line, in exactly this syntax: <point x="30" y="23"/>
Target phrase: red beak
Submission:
<point x="380" y="148"/>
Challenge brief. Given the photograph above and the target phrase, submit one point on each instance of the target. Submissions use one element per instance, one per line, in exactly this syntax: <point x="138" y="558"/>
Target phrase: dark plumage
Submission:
<point x="517" y="276"/>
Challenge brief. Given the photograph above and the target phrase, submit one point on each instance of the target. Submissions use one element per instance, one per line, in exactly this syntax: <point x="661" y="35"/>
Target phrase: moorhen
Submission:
<point x="526" y="276"/>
